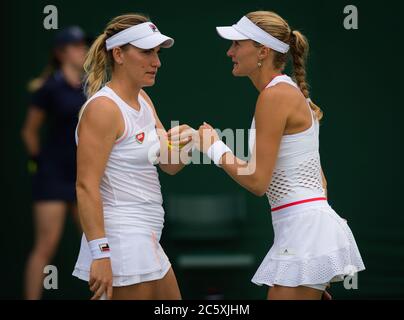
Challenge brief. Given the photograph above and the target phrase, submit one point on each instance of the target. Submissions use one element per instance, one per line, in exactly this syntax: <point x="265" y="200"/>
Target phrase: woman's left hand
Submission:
<point x="207" y="137"/>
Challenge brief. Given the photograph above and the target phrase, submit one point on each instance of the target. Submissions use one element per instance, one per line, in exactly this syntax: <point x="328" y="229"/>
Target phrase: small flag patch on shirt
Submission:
<point x="140" y="137"/>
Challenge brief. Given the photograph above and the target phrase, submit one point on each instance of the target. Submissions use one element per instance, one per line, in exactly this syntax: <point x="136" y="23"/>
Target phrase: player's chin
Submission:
<point x="149" y="82"/>
<point x="236" y="72"/>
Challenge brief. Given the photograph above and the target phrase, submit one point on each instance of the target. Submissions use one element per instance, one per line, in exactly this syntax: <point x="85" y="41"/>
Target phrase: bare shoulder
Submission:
<point x="101" y="113"/>
<point x="101" y="107"/>
<point x="274" y="107"/>
<point x="282" y="95"/>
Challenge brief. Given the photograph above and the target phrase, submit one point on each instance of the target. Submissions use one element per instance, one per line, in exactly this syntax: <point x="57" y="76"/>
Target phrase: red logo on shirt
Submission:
<point x="140" y="137"/>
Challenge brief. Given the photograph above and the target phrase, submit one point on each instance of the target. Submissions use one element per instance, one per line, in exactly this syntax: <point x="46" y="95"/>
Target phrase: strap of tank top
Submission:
<point x="104" y="93"/>
<point x="281" y="78"/>
<point x="311" y="110"/>
<point x="108" y="92"/>
<point x="98" y="94"/>
<point x="148" y="107"/>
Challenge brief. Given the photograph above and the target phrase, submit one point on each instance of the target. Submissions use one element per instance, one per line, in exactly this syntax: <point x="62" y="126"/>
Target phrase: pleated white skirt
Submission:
<point x="312" y="245"/>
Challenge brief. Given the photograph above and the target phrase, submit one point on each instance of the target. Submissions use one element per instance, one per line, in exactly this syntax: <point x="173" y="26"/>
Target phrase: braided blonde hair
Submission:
<point x="299" y="48"/>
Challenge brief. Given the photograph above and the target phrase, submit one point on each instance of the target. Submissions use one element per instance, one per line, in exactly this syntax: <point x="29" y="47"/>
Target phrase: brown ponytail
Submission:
<point x="299" y="49"/>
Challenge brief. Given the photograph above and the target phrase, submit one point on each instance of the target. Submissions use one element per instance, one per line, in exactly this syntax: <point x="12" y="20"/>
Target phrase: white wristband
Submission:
<point x="216" y="151"/>
<point x="99" y="248"/>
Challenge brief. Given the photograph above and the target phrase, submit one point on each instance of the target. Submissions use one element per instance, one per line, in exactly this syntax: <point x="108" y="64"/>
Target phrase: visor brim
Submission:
<point x="156" y="39"/>
<point x="230" y="33"/>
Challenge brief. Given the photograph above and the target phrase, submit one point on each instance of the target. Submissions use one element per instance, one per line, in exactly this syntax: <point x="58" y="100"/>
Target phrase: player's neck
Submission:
<point x="262" y="78"/>
<point x="125" y="91"/>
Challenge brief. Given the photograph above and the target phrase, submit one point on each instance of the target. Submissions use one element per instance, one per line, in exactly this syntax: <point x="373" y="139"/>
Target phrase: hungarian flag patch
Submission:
<point x="104" y="247"/>
<point x="140" y="137"/>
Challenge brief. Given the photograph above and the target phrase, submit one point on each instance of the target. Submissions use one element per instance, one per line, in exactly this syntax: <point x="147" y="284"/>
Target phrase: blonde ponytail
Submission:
<point x="96" y="66"/>
<point x="99" y="62"/>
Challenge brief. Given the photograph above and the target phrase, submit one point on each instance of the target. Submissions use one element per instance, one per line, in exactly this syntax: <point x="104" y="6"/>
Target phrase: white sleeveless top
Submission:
<point x="297" y="172"/>
<point x="130" y="187"/>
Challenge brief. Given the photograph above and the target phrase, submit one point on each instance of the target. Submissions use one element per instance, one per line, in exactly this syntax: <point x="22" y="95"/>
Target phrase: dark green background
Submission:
<point x="355" y="77"/>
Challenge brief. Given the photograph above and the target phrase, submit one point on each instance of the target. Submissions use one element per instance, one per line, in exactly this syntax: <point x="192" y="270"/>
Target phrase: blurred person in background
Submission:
<point x="57" y="96"/>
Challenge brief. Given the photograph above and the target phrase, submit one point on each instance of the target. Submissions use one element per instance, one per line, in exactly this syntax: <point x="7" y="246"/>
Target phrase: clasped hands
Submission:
<point x="184" y="136"/>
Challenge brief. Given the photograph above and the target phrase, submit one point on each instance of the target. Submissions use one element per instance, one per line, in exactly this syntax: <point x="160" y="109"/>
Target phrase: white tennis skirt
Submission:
<point x="312" y="245"/>
<point x="136" y="256"/>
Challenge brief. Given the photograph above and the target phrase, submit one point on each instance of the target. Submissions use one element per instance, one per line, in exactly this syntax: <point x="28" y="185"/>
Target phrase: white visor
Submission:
<point x="143" y="36"/>
<point x="246" y="29"/>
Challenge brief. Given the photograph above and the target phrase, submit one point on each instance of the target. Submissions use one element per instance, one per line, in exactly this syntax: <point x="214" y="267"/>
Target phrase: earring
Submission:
<point x="259" y="64"/>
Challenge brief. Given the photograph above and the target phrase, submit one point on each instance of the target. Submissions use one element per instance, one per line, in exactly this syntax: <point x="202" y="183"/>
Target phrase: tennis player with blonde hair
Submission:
<point x="120" y="140"/>
<point x="313" y="245"/>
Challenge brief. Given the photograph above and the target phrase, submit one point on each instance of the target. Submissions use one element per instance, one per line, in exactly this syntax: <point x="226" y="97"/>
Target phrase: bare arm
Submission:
<point x="99" y="127"/>
<point x="173" y="164"/>
<point x="30" y="131"/>
<point x="272" y="110"/>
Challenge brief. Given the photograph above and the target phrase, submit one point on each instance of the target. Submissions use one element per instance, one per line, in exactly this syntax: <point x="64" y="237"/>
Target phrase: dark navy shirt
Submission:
<point x="61" y="103"/>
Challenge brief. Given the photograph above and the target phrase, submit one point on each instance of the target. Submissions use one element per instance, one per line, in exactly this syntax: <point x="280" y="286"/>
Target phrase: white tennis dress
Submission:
<point x="132" y="200"/>
<point x="312" y="245"/>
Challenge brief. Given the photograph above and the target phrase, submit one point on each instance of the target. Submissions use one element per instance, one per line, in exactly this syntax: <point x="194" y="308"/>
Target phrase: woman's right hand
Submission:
<point x="101" y="278"/>
<point x="207" y="137"/>
<point x="180" y="136"/>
